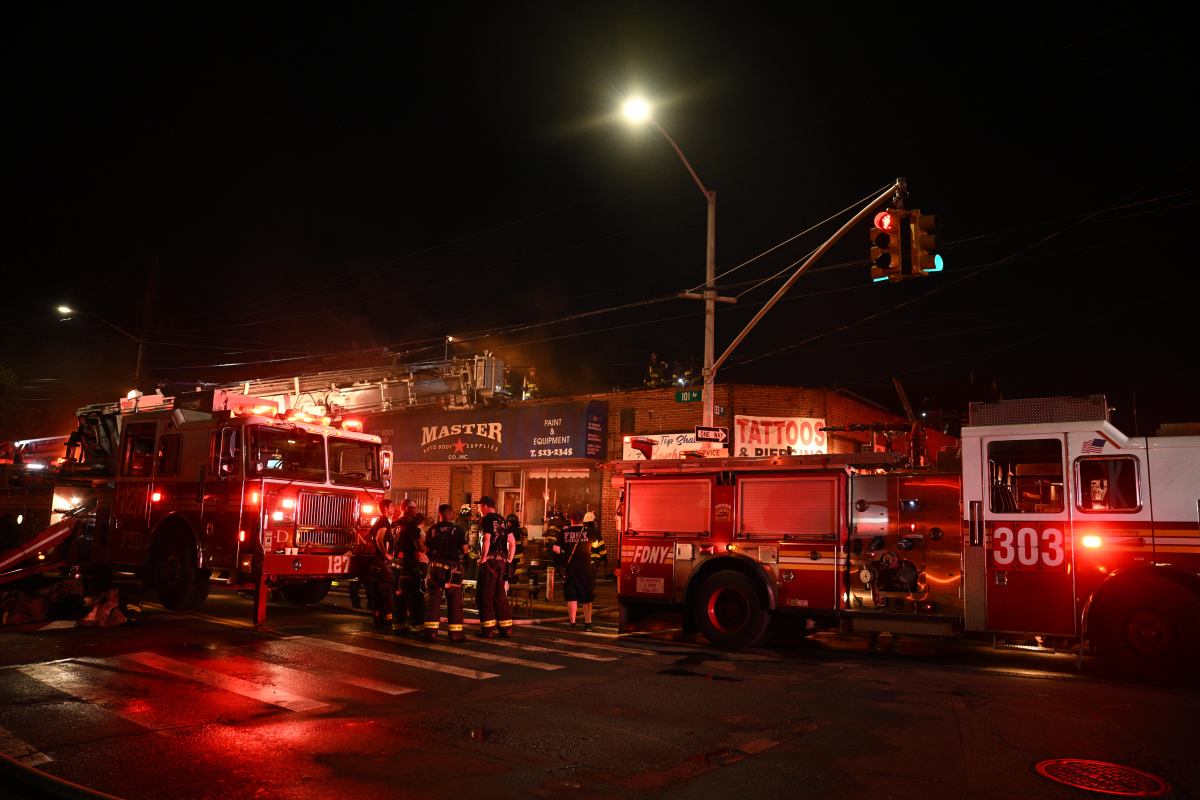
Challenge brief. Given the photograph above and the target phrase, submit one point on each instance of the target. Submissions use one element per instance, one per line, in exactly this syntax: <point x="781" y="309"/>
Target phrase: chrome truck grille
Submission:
<point x="325" y="511"/>
<point x="341" y="539"/>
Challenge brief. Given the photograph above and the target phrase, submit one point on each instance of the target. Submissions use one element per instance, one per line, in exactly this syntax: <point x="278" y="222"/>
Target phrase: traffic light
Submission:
<point x="926" y="244"/>
<point x="887" y="253"/>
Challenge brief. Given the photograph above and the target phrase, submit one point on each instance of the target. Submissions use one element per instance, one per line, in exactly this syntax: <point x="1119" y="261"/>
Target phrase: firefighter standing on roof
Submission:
<point x="496" y="549"/>
<point x="446" y="545"/>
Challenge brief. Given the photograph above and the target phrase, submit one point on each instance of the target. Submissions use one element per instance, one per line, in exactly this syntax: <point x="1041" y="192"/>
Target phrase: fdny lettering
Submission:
<point x="651" y="554"/>
<point x="486" y="430"/>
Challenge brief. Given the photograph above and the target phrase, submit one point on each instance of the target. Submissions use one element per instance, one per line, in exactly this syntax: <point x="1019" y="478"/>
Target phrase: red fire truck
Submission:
<point x="206" y="486"/>
<point x="1047" y="526"/>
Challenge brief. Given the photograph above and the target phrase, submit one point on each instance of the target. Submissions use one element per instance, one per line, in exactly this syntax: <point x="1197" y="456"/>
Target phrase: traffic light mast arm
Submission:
<point x="820" y="251"/>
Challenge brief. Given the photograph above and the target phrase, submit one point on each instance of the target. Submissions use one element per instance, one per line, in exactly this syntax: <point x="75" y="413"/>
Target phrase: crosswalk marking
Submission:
<point x="292" y="676"/>
<point x="608" y="647"/>
<point x="392" y="657"/>
<point x="465" y="652"/>
<point x="73" y="678"/>
<point x="255" y="691"/>
<point x="522" y="645"/>
<point x="21" y="750"/>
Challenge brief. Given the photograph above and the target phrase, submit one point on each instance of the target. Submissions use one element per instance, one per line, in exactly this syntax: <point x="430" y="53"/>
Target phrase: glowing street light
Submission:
<point x="67" y="312"/>
<point x="637" y="110"/>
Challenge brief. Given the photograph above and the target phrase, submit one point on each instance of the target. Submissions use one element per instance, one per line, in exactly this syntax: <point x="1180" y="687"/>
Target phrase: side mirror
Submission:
<point x="385" y="466"/>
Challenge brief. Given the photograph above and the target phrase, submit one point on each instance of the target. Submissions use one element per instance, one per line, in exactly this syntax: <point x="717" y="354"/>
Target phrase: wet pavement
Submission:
<point x="321" y="705"/>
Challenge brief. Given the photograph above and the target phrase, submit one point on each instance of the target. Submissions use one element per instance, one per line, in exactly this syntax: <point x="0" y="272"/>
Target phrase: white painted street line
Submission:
<point x="278" y="673"/>
<point x="392" y="657"/>
<point x="265" y="694"/>
<point x="81" y="680"/>
<point x="465" y="652"/>
<point x="21" y="750"/>
<point x="537" y="649"/>
<point x="607" y="647"/>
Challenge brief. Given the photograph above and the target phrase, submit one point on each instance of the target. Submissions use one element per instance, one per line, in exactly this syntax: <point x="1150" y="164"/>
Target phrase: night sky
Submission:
<point x="265" y="192"/>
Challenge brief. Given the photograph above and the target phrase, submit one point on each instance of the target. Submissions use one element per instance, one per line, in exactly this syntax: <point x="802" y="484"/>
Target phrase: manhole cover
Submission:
<point x="1103" y="776"/>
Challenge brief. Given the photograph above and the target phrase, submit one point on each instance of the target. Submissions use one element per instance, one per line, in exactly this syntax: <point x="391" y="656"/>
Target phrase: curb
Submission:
<point x="41" y="784"/>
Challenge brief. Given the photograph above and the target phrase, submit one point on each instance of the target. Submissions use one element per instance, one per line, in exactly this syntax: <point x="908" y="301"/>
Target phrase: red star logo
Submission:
<point x="459" y="446"/>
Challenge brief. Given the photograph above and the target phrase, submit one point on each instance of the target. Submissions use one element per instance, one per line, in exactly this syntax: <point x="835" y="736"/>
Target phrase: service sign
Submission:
<point x="756" y="437"/>
<point x="528" y="433"/>
<point x="656" y="446"/>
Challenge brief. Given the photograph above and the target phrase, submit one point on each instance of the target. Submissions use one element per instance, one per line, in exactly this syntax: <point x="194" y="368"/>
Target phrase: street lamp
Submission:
<point x="637" y="111"/>
<point x="67" y="312"/>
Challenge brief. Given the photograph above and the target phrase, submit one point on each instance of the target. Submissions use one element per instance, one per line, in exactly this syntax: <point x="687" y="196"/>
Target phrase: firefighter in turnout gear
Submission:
<point x="379" y="580"/>
<point x="598" y="547"/>
<point x="409" y="569"/>
<point x="574" y="553"/>
<point x="446" y="544"/>
<point x="496" y="549"/>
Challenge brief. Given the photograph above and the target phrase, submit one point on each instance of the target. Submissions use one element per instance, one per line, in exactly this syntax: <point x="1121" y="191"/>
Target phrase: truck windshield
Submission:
<point x="283" y="453"/>
<point x="354" y="462"/>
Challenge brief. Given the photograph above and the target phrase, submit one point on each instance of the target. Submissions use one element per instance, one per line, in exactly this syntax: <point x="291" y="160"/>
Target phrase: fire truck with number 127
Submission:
<point x="1049" y="525"/>
<point x="206" y="486"/>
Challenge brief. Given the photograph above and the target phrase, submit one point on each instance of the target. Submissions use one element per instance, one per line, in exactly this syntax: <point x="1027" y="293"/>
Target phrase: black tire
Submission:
<point x="1148" y="629"/>
<point x="180" y="583"/>
<point x="729" y="611"/>
<point x="305" y="594"/>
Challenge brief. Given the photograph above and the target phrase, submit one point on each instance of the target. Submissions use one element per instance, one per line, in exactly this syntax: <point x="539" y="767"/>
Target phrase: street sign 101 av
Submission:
<point x="689" y="396"/>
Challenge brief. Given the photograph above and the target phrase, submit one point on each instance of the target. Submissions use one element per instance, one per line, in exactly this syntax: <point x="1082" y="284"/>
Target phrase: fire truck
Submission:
<point x="1046" y="528"/>
<point x="208" y="486"/>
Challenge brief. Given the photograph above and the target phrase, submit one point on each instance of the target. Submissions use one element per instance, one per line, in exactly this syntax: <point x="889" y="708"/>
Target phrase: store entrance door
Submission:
<point x="510" y="502"/>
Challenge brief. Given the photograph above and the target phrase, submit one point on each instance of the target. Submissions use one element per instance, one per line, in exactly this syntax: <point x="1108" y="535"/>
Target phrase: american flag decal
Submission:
<point x="1093" y="446"/>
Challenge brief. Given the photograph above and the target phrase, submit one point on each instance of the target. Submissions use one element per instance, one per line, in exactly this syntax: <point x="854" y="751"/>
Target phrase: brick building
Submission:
<point x="534" y="455"/>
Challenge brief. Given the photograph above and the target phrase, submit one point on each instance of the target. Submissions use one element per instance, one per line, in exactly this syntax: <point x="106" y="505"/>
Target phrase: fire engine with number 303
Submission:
<point x="1048" y="528"/>
<point x="206" y="486"/>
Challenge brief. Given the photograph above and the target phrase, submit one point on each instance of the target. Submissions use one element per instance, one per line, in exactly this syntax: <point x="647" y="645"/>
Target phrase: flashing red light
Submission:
<point x="1092" y="542"/>
<point x="885" y="221"/>
<point x="352" y="425"/>
<point x="155" y="497"/>
<point x="368" y="508"/>
<point x="254" y="498"/>
<point x="241" y="536"/>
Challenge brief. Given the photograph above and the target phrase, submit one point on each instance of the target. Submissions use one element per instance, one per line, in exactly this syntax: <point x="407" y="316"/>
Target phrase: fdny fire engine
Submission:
<point x="1047" y="526"/>
<point x="203" y="487"/>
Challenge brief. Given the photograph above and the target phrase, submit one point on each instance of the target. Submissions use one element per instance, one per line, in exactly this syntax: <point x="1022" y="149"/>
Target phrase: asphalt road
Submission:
<point x="320" y="706"/>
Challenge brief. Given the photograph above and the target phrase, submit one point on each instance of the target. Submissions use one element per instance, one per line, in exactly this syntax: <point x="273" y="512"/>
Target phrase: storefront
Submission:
<point x="533" y="459"/>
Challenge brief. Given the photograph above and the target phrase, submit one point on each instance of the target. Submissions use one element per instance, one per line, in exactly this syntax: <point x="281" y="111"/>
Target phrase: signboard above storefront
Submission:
<point x="756" y="436"/>
<point x="659" y="446"/>
<point x="524" y="433"/>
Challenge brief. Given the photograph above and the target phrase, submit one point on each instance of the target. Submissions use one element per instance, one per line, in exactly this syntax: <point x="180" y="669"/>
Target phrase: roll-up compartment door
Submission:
<point x="657" y="507"/>
<point x="788" y="508"/>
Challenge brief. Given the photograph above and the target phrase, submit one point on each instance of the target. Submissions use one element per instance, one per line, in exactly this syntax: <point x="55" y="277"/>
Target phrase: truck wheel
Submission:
<point x="307" y="593"/>
<point x="729" y="612"/>
<point x="1148" y="629"/>
<point x="181" y="584"/>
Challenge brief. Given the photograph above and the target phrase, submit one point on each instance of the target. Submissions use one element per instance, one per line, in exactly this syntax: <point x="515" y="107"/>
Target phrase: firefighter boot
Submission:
<point x="487" y="630"/>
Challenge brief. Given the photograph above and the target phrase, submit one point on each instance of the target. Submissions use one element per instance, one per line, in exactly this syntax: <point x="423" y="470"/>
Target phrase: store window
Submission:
<point x="550" y="492"/>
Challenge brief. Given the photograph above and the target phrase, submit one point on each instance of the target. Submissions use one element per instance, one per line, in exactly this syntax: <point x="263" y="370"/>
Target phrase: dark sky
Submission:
<point x="264" y="187"/>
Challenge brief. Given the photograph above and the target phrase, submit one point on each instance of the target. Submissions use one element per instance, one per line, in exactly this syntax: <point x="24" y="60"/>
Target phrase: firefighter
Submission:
<point x="446" y="544"/>
<point x="496" y="549"/>
<point x="654" y="372"/>
<point x="598" y="547"/>
<point x="517" y="568"/>
<point x="409" y="568"/>
<point x="574" y="554"/>
<point x="379" y="579"/>
<point x="530" y="390"/>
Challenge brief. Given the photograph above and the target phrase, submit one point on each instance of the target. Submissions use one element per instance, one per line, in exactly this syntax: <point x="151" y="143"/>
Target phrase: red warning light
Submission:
<point x="885" y="221"/>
